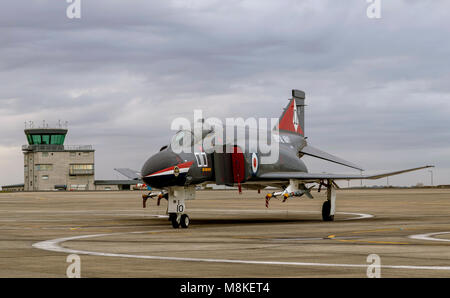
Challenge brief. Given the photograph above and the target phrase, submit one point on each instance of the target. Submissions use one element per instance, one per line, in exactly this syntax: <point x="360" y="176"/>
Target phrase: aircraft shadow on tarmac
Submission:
<point x="203" y="221"/>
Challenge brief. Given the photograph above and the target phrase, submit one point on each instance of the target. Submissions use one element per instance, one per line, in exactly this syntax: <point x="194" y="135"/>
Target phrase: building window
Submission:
<point x="82" y="166"/>
<point x="78" y="187"/>
<point x="81" y="169"/>
<point x="44" y="167"/>
<point x="44" y="177"/>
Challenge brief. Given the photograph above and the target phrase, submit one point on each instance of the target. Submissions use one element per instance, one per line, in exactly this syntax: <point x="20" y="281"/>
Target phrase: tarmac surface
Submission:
<point x="231" y="235"/>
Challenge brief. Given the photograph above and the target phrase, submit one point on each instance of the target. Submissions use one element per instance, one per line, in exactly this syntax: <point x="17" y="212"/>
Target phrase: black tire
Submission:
<point x="184" y="221"/>
<point x="172" y="216"/>
<point x="326" y="208"/>
<point x="175" y="222"/>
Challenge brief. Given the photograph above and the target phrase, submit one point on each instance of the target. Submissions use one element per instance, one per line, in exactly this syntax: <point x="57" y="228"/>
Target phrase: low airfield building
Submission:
<point x="115" y="184"/>
<point x="14" y="187"/>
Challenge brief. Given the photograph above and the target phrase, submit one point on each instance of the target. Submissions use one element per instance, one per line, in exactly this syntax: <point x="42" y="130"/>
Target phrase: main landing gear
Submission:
<point x="329" y="206"/>
<point x="326" y="208"/>
<point x="298" y="189"/>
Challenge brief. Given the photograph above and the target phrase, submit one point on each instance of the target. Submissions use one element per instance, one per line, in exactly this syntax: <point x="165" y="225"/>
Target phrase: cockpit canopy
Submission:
<point x="187" y="138"/>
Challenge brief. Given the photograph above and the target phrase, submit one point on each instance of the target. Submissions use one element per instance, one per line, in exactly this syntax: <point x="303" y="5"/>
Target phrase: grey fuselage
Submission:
<point x="167" y="168"/>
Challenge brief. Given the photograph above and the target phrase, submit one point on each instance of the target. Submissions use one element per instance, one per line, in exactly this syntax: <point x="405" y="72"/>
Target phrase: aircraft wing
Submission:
<point x="312" y="151"/>
<point x="129" y="173"/>
<point x="312" y="176"/>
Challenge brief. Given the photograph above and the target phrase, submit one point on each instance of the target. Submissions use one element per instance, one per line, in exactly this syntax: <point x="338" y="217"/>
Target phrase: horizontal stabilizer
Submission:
<point x="311" y="151"/>
<point x="312" y="176"/>
<point x="129" y="173"/>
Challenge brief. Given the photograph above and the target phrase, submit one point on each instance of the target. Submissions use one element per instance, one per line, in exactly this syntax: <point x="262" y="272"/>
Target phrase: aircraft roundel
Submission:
<point x="255" y="163"/>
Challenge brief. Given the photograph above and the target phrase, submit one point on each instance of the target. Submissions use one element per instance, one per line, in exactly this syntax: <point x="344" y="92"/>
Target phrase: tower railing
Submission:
<point x="46" y="147"/>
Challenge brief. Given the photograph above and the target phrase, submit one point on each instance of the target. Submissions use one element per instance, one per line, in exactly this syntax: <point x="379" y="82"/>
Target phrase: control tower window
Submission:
<point x="57" y="139"/>
<point x="41" y="136"/>
<point x="45" y="139"/>
<point x="36" y="139"/>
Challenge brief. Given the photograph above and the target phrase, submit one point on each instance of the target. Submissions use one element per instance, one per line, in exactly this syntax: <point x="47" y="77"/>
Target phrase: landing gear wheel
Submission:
<point x="326" y="208"/>
<point x="184" y="221"/>
<point x="174" y="219"/>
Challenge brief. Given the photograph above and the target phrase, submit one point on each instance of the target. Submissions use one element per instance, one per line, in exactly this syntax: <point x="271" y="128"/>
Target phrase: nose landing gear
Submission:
<point x="179" y="220"/>
<point x="176" y="206"/>
<point x="176" y="197"/>
<point x="184" y="221"/>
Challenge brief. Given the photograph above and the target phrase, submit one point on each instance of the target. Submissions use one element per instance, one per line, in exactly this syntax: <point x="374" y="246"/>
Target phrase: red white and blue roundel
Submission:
<point x="255" y="163"/>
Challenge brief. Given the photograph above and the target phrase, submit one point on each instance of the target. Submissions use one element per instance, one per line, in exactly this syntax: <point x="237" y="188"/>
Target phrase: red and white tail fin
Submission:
<point x="293" y="118"/>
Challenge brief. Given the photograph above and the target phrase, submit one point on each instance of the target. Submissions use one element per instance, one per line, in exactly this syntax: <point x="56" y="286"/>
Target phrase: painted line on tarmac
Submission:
<point x="54" y="245"/>
<point x="430" y="237"/>
<point x="309" y="238"/>
<point x="359" y="215"/>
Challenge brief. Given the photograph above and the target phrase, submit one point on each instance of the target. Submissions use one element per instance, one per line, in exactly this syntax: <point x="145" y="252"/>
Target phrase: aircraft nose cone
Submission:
<point x="157" y="163"/>
<point x="160" y="161"/>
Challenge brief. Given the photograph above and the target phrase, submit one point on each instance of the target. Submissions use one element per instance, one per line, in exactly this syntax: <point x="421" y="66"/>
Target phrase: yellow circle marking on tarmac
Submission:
<point x="373" y="241"/>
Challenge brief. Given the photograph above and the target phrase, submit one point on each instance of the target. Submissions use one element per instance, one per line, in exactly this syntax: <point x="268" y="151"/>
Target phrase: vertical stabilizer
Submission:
<point x="293" y="117"/>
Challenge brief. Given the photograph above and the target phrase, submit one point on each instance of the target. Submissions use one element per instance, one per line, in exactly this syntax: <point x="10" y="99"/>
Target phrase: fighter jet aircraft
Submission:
<point x="177" y="174"/>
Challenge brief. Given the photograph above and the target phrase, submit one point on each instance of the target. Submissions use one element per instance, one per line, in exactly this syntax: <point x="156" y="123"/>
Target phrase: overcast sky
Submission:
<point x="378" y="90"/>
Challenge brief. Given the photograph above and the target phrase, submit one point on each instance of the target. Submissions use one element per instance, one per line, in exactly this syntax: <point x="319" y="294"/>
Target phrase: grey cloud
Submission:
<point x="127" y="68"/>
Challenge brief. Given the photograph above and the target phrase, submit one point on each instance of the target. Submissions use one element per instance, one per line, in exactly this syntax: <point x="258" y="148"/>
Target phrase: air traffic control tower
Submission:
<point x="51" y="165"/>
